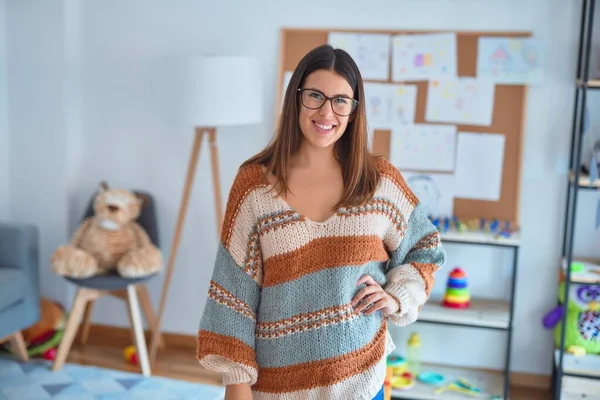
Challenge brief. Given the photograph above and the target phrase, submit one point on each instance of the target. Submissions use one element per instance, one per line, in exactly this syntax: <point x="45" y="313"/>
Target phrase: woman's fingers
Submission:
<point x="381" y="304"/>
<point x="368" y="279"/>
<point x="363" y="292"/>
<point x="370" y="301"/>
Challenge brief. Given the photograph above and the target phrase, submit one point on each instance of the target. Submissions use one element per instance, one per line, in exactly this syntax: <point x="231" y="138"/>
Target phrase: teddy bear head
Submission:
<point x="114" y="208"/>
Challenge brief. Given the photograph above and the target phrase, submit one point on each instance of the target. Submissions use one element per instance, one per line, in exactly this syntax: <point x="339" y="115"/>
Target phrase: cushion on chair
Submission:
<point x="111" y="281"/>
<point x="13" y="286"/>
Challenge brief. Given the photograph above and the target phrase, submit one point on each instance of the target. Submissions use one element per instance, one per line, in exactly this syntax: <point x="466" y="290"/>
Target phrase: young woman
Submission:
<point x="322" y="244"/>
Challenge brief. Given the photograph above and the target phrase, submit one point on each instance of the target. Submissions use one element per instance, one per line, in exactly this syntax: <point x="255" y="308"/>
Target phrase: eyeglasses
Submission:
<point x="314" y="99"/>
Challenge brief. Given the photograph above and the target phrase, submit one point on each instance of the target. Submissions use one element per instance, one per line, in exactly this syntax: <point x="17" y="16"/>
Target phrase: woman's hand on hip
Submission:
<point x="374" y="297"/>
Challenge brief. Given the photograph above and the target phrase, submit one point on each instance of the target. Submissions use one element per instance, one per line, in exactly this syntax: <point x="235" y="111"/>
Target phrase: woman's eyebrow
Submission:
<point x="335" y="95"/>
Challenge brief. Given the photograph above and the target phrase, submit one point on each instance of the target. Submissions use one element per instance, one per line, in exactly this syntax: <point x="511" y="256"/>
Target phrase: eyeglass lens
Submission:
<point x="341" y="105"/>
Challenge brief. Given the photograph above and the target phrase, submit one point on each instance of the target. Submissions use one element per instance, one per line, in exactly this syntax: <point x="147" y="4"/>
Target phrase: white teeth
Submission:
<point x="326" y="127"/>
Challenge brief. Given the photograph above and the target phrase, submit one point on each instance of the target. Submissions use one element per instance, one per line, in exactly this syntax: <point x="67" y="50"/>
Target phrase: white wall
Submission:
<point x="4" y="143"/>
<point x="39" y="146"/>
<point x="129" y="112"/>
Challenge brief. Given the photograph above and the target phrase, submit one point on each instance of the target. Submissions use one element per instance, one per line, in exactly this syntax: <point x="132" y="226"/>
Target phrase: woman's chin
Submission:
<point x="322" y="141"/>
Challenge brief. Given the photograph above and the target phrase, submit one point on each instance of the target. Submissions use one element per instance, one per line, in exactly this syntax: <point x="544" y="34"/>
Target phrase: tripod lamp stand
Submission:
<point x="220" y="91"/>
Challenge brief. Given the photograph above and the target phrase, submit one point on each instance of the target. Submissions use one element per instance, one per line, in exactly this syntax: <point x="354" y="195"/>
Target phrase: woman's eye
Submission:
<point x="341" y="100"/>
<point x="316" y="95"/>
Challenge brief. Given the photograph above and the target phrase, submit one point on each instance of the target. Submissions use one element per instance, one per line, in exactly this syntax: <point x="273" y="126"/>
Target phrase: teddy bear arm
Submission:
<point x="79" y="232"/>
<point x="141" y="236"/>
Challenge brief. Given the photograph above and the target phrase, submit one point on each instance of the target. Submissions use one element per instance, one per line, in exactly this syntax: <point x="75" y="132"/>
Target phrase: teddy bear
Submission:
<point x="110" y="240"/>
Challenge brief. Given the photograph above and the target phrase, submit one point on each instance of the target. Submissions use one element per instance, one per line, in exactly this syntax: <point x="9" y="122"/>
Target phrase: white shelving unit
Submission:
<point x="481" y="314"/>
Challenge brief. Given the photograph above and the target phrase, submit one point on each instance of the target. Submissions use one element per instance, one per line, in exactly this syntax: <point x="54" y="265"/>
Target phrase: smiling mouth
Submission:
<point x="324" y="128"/>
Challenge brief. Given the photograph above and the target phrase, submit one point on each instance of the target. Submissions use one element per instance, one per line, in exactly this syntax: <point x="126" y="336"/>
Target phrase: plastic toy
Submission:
<point x="464" y="387"/>
<point x="130" y="354"/>
<point x="43" y="338"/>
<point x="582" y="333"/>
<point x="387" y="384"/>
<point x="403" y="382"/>
<point x="457" y="292"/>
<point x="431" y="378"/>
<point x="414" y="353"/>
<point x="396" y="364"/>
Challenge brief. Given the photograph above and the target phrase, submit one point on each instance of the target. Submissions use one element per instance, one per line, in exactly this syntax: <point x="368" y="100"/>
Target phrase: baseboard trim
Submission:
<point x="116" y="336"/>
<point x="529" y="380"/>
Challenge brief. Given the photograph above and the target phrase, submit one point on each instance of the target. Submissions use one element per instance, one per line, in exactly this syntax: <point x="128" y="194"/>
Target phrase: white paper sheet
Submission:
<point x="423" y="57"/>
<point x="370" y="51"/>
<point x="434" y="191"/>
<point x="390" y="104"/>
<point x="510" y="60"/>
<point x="465" y="100"/>
<point x="423" y="147"/>
<point x="479" y="164"/>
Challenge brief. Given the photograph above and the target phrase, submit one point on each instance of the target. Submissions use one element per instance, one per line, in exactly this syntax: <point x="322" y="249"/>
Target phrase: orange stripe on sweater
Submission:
<point x="323" y="253"/>
<point x="323" y="372"/>
<point x="246" y="180"/>
<point x="210" y="343"/>
<point x="426" y="271"/>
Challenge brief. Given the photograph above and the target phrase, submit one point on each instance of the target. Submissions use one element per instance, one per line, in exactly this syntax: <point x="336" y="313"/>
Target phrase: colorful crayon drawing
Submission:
<point x="510" y="60"/>
<point x="390" y="104"/>
<point x="371" y="51"/>
<point x="422" y="57"/>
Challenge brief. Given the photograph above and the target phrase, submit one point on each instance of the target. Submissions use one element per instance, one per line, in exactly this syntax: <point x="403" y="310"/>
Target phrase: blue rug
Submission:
<point x="35" y="380"/>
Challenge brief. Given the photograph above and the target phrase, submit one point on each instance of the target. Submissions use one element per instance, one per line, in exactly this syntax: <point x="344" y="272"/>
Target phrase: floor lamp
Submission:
<point x="219" y="91"/>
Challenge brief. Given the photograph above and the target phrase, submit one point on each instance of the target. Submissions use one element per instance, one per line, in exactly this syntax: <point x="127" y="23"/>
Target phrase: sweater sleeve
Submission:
<point x="226" y="340"/>
<point x="412" y="266"/>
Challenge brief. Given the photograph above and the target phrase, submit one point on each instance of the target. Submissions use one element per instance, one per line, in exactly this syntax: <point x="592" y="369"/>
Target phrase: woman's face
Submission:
<point x="322" y="127"/>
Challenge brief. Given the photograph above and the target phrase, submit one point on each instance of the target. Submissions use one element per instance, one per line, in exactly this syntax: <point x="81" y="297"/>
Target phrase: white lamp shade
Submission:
<point x="223" y="90"/>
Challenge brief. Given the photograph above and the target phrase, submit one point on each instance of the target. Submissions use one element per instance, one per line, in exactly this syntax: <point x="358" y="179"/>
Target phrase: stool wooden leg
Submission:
<point x="138" y="328"/>
<point x="18" y="346"/>
<point x="149" y="312"/>
<point x="87" y="319"/>
<point x="81" y="298"/>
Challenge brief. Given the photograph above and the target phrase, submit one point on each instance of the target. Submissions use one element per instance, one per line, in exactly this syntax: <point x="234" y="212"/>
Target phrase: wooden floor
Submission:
<point x="180" y="363"/>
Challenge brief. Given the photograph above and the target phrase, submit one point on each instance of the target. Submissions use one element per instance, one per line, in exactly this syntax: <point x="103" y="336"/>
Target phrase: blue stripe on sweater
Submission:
<point x="233" y="278"/>
<point x="223" y="320"/>
<point x="317" y="344"/>
<point x="316" y="291"/>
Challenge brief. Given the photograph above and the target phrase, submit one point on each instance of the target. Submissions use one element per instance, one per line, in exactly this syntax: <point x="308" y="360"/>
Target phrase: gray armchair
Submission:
<point x="19" y="282"/>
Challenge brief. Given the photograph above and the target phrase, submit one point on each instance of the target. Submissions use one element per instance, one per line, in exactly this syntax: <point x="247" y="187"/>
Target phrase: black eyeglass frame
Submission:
<point x="354" y="102"/>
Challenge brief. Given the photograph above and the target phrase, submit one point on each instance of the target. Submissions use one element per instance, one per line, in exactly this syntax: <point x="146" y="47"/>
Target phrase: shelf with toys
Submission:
<point x="583" y="270"/>
<point x="458" y="308"/>
<point x="477" y="231"/>
<point x="442" y="382"/>
<point x="585" y="181"/>
<point x="482" y="313"/>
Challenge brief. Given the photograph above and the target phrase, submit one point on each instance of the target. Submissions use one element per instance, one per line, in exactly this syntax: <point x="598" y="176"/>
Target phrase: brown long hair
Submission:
<point x="351" y="150"/>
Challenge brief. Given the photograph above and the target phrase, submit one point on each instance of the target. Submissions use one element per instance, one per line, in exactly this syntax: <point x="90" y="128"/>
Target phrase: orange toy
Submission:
<point x="130" y="354"/>
<point x="387" y="384"/>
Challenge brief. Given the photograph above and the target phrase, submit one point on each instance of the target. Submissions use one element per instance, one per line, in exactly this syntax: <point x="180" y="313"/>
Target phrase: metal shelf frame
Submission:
<point x="582" y="85"/>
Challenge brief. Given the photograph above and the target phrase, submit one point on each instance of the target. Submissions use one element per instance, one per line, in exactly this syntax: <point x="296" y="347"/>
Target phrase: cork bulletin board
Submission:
<point x="507" y="117"/>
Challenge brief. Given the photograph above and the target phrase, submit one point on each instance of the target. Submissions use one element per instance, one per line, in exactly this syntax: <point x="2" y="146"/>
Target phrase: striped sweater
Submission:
<point x="279" y="313"/>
